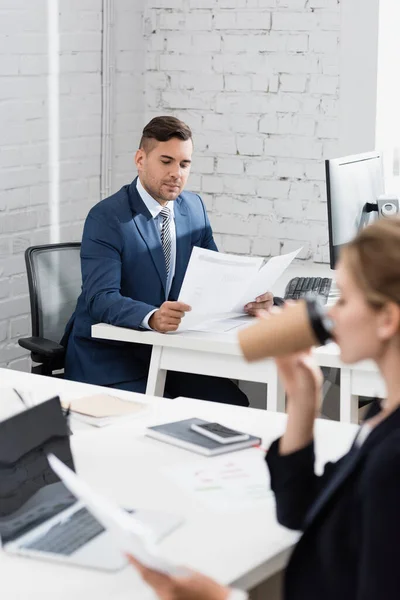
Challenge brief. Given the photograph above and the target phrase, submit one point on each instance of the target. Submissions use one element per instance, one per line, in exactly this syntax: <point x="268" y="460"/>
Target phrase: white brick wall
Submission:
<point x="258" y="81"/>
<point x="128" y="101"/>
<point x="24" y="214"/>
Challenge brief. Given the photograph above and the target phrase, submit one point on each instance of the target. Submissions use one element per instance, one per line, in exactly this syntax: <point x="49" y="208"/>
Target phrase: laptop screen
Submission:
<point x="30" y="492"/>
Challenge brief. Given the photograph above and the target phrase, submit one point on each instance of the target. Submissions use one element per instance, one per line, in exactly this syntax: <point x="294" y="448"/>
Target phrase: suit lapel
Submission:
<point x="148" y="231"/>
<point x="354" y="458"/>
<point x="183" y="245"/>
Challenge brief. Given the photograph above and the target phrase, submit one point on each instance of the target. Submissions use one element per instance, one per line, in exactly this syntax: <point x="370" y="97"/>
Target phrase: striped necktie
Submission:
<point x="166" y="240"/>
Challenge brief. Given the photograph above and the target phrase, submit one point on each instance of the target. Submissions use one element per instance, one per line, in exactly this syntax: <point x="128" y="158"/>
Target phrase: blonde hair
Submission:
<point x="374" y="261"/>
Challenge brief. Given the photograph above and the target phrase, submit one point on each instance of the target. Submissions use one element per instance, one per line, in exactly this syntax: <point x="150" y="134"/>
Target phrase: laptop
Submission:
<point x="39" y="517"/>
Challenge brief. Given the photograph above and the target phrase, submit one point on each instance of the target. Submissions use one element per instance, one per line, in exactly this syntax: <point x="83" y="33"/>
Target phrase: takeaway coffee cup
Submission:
<point x="296" y="327"/>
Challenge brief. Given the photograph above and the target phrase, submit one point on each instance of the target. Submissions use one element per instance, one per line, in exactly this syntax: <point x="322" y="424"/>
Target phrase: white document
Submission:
<point x="130" y="535"/>
<point x="213" y="280"/>
<point x="218" y="285"/>
<point x="231" y="482"/>
<point x="266" y="277"/>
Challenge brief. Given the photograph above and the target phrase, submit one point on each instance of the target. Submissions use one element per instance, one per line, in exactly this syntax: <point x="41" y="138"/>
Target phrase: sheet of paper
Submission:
<point x="218" y="286"/>
<point x="214" y="281"/>
<point x="130" y="535"/>
<point x="226" y="483"/>
<point x="265" y="278"/>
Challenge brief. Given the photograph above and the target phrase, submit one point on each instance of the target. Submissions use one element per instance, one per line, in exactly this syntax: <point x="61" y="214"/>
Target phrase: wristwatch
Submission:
<point x="237" y="595"/>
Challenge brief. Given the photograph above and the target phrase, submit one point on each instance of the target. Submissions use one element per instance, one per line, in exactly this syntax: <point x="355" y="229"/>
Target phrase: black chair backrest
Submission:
<point x="55" y="282"/>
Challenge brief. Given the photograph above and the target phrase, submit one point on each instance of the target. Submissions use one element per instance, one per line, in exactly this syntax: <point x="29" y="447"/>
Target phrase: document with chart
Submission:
<point x="217" y="286"/>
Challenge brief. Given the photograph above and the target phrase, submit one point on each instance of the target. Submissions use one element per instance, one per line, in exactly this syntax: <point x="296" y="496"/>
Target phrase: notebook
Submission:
<point x="101" y="409"/>
<point x="179" y="434"/>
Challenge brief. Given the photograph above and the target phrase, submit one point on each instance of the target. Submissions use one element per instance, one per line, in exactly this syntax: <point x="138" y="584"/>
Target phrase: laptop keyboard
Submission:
<point x="65" y="538"/>
<point x="300" y="286"/>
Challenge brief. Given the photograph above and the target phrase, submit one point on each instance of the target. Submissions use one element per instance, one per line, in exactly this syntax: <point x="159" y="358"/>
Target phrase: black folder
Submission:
<point x="25" y="440"/>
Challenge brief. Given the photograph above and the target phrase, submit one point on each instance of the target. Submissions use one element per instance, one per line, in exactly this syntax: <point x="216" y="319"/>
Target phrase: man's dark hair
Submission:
<point x="162" y="129"/>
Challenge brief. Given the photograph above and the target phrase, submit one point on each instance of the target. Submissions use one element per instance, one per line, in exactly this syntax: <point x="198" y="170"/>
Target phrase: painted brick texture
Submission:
<point x="24" y="177"/>
<point x="258" y="81"/>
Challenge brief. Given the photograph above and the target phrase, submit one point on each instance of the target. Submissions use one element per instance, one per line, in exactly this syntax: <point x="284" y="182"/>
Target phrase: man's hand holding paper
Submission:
<point x="263" y="302"/>
<point x="169" y="316"/>
<point x="219" y="286"/>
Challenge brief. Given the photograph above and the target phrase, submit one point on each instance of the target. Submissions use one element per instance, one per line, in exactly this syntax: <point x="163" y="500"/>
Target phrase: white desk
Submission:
<point x="207" y="353"/>
<point x="219" y="354"/>
<point x="197" y="352"/>
<point x="128" y="467"/>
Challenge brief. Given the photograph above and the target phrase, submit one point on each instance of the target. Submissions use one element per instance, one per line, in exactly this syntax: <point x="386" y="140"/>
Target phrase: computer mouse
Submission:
<point x="278" y="301"/>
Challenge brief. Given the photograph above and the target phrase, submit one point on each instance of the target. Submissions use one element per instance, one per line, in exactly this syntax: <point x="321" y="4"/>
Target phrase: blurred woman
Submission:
<point x="350" y="515"/>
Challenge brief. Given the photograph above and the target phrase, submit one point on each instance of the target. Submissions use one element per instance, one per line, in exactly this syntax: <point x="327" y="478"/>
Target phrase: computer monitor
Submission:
<point x="351" y="183"/>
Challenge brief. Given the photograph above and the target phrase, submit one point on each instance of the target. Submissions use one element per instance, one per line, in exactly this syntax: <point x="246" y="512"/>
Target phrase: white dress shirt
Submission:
<point x="155" y="208"/>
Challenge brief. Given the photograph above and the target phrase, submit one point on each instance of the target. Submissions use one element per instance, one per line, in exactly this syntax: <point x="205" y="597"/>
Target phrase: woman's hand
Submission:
<point x="192" y="586"/>
<point x="302" y="379"/>
<point x="301" y="376"/>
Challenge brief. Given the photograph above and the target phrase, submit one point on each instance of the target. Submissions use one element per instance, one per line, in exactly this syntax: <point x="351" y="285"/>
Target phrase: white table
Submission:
<point x="207" y="353"/>
<point x="197" y="352"/>
<point x="129" y="467"/>
<point x="219" y="355"/>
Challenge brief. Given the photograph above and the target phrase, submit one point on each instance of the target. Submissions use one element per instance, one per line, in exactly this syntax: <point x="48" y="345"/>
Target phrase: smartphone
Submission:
<point x="219" y="433"/>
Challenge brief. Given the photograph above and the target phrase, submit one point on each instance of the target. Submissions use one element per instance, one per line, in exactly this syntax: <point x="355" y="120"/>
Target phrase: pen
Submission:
<point x="21" y="398"/>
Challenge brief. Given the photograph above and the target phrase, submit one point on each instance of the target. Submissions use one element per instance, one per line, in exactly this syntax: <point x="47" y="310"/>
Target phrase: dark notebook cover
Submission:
<point x="180" y="434"/>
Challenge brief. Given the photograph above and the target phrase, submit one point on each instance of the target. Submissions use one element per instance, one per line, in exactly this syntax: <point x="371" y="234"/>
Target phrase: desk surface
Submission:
<point x="221" y="343"/>
<point x="129" y="467"/>
<point x="226" y="343"/>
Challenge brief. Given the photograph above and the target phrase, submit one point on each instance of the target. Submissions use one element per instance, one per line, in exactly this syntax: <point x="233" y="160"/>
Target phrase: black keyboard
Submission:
<point x="300" y="286"/>
<point x="67" y="537"/>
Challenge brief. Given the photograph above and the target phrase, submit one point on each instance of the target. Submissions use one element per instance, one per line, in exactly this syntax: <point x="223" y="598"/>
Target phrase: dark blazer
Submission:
<point x="124" y="278"/>
<point x="350" y="517"/>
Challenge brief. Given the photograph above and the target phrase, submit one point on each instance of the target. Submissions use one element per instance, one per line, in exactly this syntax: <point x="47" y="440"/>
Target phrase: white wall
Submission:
<point x="388" y="97"/>
<point x="358" y="75"/>
<point x="129" y="87"/>
<point x="24" y="216"/>
<point x="24" y="174"/>
<point x="259" y="84"/>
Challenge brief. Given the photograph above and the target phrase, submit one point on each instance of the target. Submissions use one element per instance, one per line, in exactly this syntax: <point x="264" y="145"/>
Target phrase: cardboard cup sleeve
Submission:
<point x="282" y="333"/>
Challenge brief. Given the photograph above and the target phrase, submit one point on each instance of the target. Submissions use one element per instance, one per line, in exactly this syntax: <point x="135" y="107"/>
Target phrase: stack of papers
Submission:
<point x="217" y="286"/>
<point x="101" y="409"/>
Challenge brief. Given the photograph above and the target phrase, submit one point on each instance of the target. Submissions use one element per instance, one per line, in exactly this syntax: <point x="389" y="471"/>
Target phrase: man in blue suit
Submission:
<point x="135" y="250"/>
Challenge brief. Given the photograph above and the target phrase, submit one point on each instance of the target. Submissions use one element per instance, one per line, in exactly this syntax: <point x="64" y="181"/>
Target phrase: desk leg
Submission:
<point x="348" y="401"/>
<point x="156" y="377"/>
<point x="275" y="392"/>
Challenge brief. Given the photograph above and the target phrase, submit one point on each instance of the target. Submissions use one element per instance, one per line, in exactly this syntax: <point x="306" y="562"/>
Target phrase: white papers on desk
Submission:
<point x="218" y="285"/>
<point x="226" y="483"/>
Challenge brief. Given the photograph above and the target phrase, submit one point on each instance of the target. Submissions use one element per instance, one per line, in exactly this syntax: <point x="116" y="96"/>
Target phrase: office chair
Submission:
<point x="55" y="281"/>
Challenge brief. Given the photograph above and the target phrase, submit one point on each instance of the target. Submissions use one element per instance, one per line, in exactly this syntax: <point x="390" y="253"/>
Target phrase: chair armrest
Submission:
<point x="43" y="347"/>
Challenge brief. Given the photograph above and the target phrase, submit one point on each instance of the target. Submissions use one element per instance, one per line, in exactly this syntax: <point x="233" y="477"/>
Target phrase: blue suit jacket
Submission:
<point x="124" y="278"/>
